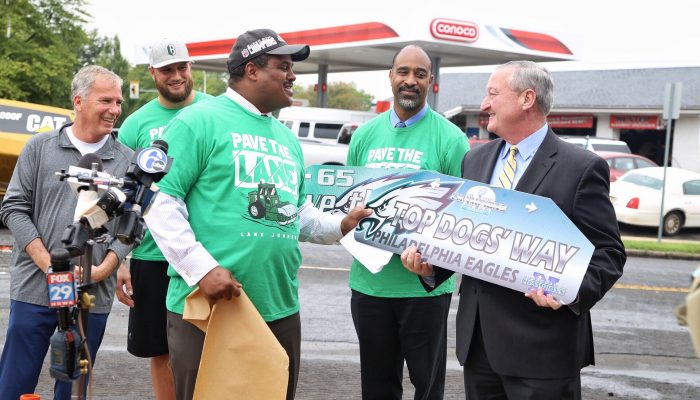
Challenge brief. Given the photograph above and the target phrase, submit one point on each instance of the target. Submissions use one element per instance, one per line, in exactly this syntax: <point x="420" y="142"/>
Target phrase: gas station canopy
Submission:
<point x="371" y="46"/>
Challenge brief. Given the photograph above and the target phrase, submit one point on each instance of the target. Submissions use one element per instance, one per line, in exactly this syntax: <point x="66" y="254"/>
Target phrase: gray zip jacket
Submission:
<point x="38" y="204"/>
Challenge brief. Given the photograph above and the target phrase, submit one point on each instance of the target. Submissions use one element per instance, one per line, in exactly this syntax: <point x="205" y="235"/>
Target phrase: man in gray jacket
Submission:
<point x="37" y="208"/>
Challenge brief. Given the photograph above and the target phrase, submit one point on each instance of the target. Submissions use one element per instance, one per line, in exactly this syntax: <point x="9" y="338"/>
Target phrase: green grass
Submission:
<point x="665" y="246"/>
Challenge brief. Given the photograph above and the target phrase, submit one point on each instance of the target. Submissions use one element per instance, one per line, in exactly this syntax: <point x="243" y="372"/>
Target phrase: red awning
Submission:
<point x="644" y="122"/>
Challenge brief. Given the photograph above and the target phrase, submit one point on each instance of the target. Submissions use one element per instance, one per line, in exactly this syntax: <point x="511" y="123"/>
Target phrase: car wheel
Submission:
<point x="256" y="210"/>
<point x="673" y="222"/>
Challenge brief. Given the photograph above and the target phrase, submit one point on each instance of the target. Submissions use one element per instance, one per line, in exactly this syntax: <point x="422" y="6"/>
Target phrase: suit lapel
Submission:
<point x="481" y="167"/>
<point x="542" y="162"/>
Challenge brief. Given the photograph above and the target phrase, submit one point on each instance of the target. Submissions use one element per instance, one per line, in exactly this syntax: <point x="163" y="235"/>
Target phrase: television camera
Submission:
<point x="101" y="197"/>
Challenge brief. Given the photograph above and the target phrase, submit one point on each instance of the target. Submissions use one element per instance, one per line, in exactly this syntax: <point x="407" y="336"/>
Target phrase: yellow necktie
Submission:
<point x="507" y="176"/>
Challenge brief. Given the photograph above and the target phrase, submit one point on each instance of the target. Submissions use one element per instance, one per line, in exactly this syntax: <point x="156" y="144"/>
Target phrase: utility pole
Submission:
<point x="9" y="20"/>
<point x="672" y="110"/>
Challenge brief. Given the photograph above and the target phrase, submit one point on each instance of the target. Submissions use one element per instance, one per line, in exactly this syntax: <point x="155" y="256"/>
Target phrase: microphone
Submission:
<point x="100" y="210"/>
<point x="87" y="194"/>
<point x="148" y="166"/>
<point x="97" y="207"/>
<point x="161" y="144"/>
<point x="66" y="341"/>
<point x="101" y="196"/>
<point x="88" y="159"/>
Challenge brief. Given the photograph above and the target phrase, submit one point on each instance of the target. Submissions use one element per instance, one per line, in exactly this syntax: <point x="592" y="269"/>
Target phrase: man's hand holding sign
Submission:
<point x="413" y="261"/>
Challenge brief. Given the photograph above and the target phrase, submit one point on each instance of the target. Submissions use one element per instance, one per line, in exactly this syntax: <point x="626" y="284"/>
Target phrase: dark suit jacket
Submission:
<point x="522" y="339"/>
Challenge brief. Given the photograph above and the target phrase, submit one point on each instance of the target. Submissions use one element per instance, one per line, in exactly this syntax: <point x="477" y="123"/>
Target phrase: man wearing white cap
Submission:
<point x="171" y="69"/>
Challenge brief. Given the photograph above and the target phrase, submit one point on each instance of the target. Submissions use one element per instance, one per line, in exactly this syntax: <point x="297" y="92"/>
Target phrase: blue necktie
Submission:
<point x="400" y="124"/>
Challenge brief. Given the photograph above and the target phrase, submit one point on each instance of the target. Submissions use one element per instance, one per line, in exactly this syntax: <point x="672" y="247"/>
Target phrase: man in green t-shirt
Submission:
<point x="232" y="208"/>
<point x="171" y="70"/>
<point x="395" y="318"/>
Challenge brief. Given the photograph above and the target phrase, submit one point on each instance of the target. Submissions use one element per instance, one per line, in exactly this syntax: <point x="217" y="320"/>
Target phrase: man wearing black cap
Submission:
<point x="229" y="205"/>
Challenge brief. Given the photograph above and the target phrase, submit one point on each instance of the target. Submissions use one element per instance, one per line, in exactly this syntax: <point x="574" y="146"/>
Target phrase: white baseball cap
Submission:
<point x="168" y="52"/>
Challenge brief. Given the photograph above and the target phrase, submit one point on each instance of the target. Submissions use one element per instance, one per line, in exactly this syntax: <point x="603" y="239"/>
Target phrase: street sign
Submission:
<point x="672" y="100"/>
<point x="134" y="90"/>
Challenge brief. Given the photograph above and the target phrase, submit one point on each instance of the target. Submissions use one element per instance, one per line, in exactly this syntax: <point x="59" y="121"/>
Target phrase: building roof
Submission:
<point x="639" y="90"/>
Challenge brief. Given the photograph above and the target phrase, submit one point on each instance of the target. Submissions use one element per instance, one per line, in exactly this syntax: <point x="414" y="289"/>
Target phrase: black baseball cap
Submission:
<point x="263" y="41"/>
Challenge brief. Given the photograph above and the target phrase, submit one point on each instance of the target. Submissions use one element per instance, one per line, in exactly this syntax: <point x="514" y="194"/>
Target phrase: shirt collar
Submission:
<point x="394" y="118"/>
<point x="528" y="146"/>
<point x="243" y="102"/>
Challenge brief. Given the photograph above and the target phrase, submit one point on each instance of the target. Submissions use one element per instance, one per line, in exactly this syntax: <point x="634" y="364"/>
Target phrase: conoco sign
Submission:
<point x="451" y="29"/>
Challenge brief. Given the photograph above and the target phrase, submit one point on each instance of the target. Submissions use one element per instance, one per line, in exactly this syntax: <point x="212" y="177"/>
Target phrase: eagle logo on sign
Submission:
<point x="428" y="195"/>
<point x="362" y="191"/>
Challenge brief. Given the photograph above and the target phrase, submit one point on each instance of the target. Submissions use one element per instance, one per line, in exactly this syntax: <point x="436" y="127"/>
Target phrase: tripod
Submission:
<point x="70" y="356"/>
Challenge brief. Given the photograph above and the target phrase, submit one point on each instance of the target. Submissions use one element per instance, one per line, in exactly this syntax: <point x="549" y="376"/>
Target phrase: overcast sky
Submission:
<point x="614" y="33"/>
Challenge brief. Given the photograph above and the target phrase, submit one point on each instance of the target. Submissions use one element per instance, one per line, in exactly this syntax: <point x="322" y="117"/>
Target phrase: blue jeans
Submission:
<point x="28" y="333"/>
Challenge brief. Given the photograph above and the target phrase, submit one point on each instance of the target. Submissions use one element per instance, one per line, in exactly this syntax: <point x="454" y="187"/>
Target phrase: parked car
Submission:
<point x="475" y="142"/>
<point x="636" y="197"/>
<point x="598" y="144"/>
<point x="320" y="124"/>
<point x="346" y="132"/>
<point x="620" y="163"/>
<point x="317" y="152"/>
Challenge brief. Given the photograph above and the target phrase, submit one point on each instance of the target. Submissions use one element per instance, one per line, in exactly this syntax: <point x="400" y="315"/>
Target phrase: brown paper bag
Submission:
<point x="241" y="358"/>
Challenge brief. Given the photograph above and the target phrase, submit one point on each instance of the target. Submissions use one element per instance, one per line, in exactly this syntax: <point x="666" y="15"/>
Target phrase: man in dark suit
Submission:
<point x="531" y="347"/>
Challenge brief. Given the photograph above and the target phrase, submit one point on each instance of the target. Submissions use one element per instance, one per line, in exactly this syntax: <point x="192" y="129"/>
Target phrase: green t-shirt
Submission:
<point x="432" y="143"/>
<point x="139" y="130"/>
<point x="241" y="176"/>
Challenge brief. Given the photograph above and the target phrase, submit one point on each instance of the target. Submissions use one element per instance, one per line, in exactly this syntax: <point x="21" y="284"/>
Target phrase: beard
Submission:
<point x="410" y="102"/>
<point x="165" y="91"/>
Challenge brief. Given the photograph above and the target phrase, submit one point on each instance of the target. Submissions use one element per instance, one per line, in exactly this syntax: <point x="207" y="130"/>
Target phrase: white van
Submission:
<point x="320" y="124"/>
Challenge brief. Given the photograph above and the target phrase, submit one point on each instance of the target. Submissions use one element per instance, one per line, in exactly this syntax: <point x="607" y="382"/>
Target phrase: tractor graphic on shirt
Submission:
<point x="265" y="203"/>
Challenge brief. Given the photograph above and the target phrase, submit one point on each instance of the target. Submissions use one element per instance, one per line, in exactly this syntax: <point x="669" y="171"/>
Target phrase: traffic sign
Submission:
<point x="134" y="90"/>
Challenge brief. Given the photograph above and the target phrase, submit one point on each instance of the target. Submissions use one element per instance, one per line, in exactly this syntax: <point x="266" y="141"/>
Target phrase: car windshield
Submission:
<point x="643" y="180"/>
<point x="346" y="133"/>
<point x="610" y="147"/>
<point x="641" y="163"/>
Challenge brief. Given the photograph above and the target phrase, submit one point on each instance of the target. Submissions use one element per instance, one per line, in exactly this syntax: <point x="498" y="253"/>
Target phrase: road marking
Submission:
<point x="325" y="268"/>
<point x="617" y="286"/>
<point x="8" y="248"/>
<point x="651" y="288"/>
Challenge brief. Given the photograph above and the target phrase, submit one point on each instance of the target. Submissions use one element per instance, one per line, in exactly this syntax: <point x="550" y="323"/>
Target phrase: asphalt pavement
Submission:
<point x="641" y="352"/>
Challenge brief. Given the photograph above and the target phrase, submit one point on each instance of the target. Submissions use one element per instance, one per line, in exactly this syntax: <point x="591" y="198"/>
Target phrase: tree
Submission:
<point x="106" y="52"/>
<point x="217" y="82"/>
<point x="341" y="95"/>
<point x="147" y="90"/>
<point x="37" y="49"/>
